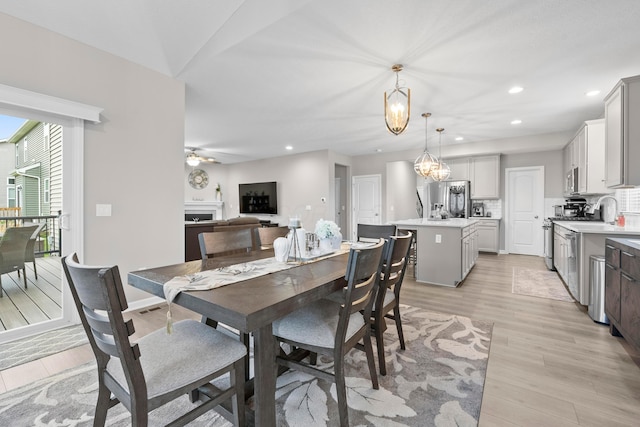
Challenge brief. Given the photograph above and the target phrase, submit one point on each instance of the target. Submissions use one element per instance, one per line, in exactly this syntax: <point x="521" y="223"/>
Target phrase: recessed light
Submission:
<point x="516" y="89"/>
<point x="516" y="122"/>
<point x="459" y="138"/>
<point x="592" y="93"/>
<point x="378" y="150"/>
<point x="288" y="147"/>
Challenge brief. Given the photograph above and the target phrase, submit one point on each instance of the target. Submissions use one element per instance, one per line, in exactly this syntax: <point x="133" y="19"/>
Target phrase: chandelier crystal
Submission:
<point x="397" y="106"/>
<point x="426" y="161"/>
<point x="193" y="159"/>
<point x="440" y="170"/>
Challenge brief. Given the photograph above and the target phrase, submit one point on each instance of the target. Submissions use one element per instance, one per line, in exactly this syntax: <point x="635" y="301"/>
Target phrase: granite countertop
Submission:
<point x="424" y="222"/>
<point x="597" y="227"/>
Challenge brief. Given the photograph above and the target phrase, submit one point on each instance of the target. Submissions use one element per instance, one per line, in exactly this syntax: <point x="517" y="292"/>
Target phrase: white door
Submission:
<point x="366" y="198"/>
<point x="525" y="210"/>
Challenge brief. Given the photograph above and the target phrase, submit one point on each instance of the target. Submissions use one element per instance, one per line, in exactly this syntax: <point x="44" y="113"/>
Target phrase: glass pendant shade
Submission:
<point x="441" y="171"/>
<point x="192" y="159"/>
<point x="425" y="163"/>
<point x="397" y="106"/>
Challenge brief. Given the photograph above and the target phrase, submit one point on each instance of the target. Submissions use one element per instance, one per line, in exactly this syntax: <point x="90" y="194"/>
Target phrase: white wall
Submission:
<point x="133" y="158"/>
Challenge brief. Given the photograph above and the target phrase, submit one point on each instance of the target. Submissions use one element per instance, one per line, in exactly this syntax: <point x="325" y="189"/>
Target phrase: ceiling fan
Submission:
<point x="194" y="159"/>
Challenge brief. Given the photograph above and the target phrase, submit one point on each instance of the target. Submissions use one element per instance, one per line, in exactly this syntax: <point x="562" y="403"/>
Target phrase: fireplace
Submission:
<point x="204" y="208"/>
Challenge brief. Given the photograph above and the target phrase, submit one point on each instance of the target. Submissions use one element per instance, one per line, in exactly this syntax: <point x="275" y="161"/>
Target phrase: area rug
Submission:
<point x="38" y="346"/>
<point x="539" y="283"/>
<point x="437" y="381"/>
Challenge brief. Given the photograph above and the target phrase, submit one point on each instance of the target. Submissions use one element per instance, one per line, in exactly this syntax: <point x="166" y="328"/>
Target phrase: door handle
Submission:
<point x="535" y="217"/>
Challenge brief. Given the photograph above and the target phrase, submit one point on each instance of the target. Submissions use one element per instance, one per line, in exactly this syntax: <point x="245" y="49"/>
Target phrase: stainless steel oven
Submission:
<point x="547" y="226"/>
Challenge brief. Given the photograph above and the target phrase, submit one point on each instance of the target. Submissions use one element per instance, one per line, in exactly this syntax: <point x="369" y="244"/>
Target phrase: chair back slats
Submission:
<point x="373" y="232"/>
<point x="268" y="235"/>
<point x="225" y="242"/>
<point x="13" y="246"/>
<point x="364" y="268"/>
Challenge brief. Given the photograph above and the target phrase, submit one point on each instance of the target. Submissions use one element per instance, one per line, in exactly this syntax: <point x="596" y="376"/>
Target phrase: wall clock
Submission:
<point x="198" y="179"/>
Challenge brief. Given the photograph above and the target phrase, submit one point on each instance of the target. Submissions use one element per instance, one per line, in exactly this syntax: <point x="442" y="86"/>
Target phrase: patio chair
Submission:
<point x="333" y="326"/>
<point x="13" y="246"/>
<point x="29" y="254"/>
<point x="160" y="367"/>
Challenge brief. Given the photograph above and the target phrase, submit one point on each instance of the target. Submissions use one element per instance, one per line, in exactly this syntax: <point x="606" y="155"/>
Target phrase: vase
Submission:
<point x="336" y="240"/>
<point x="218" y="196"/>
<point x="325" y="245"/>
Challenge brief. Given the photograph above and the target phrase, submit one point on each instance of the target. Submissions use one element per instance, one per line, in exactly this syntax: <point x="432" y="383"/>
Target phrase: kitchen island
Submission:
<point x="446" y="249"/>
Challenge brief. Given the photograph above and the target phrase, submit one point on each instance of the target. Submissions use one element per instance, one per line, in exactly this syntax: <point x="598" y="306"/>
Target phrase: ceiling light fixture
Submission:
<point x="592" y="92"/>
<point x="288" y="147"/>
<point x="397" y="106"/>
<point x="424" y="163"/>
<point x="459" y="138"/>
<point x="516" y="122"/>
<point x="515" y="89"/>
<point x="193" y="159"/>
<point x="440" y="170"/>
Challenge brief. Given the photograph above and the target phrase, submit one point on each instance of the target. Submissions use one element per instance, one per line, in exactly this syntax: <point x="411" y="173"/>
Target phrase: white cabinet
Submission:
<point x="469" y="248"/>
<point x="488" y="235"/>
<point x="580" y="151"/>
<point x="586" y="151"/>
<point x="560" y="251"/>
<point x="622" y="133"/>
<point x="485" y="177"/>
<point x="459" y="169"/>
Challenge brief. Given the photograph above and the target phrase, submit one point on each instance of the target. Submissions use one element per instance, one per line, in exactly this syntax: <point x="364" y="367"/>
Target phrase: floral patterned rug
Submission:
<point x="437" y="381"/>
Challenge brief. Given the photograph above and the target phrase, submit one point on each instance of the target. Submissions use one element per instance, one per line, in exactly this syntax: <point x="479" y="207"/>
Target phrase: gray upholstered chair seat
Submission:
<point x="316" y="324"/>
<point x="168" y="360"/>
<point x="389" y="296"/>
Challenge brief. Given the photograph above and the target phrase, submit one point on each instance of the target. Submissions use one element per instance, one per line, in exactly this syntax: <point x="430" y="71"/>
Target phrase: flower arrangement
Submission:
<point x="218" y="189"/>
<point x="326" y="229"/>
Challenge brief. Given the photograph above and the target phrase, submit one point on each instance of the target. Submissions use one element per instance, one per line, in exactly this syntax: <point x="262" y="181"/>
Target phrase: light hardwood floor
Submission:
<point x="549" y="363"/>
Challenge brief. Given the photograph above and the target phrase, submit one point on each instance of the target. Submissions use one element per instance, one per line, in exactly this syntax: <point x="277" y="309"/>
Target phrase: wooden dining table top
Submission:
<point x="252" y="303"/>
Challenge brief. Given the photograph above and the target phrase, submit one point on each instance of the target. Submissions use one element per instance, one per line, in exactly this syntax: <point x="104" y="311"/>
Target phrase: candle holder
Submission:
<point x="294" y="252"/>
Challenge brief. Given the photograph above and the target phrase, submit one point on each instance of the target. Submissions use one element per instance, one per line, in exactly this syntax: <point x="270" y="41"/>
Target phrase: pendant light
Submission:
<point x="441" y="170"/>
<point x="426" y="161"/>
<point x="397" y="106"/>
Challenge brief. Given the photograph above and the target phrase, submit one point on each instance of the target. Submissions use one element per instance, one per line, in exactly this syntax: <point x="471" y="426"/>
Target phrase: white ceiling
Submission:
<point x="262" y="74"/>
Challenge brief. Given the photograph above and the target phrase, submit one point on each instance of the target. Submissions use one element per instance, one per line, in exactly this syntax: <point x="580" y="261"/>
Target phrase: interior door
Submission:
<point x="525" y="207"/>
<point x="366" y="196"/>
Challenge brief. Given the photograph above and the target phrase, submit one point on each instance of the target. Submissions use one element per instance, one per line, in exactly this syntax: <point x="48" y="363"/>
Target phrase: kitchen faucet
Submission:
<point x="615" y="201"/>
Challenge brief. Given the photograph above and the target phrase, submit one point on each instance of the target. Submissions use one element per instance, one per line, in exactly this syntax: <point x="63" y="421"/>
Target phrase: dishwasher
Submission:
<point x="573" y="263"/>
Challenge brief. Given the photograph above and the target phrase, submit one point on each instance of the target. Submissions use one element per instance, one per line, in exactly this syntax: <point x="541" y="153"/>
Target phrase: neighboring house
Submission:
<point x="7" y="163"/>
<point x="37" y="169"/>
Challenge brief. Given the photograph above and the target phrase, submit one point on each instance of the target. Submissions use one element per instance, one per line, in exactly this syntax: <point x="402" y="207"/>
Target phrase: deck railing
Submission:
<point x="49" y="240"/>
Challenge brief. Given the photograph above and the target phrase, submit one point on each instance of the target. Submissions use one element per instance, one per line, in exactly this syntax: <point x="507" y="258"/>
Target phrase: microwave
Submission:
<point x="572" y="182"/>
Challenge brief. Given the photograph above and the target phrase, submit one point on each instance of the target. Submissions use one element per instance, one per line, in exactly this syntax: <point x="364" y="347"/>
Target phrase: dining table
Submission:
<point x="252" y="305"/>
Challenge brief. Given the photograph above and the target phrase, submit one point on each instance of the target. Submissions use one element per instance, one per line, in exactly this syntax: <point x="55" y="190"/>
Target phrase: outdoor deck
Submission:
<point x="41" y="300"/>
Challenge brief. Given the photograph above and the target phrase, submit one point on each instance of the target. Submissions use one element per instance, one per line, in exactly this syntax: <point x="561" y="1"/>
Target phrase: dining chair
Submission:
<point x="333" y="326"/>
<point x="373" y="232"/>
<point x="268" y="235"/>
<point x="159" y="367"/>
<point x="218" y="243"/>
<point x="387" y="300"/>
<point x="13" y="245"/>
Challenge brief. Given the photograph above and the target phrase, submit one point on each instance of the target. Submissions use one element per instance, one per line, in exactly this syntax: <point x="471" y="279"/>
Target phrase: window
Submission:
<point x="11" y="180"/>
<point x="11" y="197"/>
<point x="25" y="151"/>
<point x="47" y="191"/>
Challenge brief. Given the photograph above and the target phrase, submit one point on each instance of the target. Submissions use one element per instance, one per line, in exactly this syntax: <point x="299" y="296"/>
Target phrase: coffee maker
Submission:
<point x="477" y="209"/>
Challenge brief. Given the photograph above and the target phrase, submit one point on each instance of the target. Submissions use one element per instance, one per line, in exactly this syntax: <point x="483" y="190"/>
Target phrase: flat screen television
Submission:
<point x="258" y="198"/>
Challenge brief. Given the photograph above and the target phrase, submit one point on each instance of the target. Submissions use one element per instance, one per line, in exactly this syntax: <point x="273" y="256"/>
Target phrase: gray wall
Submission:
<point x="133" y="158"/>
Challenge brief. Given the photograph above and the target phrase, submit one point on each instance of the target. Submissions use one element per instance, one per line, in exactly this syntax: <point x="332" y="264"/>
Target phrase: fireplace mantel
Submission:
<point x="200" y="206"/>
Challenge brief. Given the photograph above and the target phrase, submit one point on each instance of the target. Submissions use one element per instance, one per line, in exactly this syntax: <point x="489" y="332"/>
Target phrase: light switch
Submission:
<point x="308" y="207"/>
<point x="438" y="238"/>
<point x="103" y="210"/>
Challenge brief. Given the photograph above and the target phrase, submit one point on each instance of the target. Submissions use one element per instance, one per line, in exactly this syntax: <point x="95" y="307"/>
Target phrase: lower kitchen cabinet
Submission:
<point x="622" y="289"/>
<point x="488" y="235"/>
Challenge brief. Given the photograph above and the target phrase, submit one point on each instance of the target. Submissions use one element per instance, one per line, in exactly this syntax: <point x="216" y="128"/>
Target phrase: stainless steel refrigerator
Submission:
<point x="452" y="196"/>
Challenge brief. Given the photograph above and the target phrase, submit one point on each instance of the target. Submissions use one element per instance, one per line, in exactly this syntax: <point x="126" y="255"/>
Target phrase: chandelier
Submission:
<point x="426" y="161"/>
<point x="440" y="170"/>
<point x="397" y="106"/>
<point x="192" y="158"/>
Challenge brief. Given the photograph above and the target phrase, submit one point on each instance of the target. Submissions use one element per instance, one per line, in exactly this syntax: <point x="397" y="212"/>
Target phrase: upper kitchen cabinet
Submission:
<point x="484" y="172"/>
<point x="586" y="152"/>
<point x="459" y="169"/>
<point x="622" y="134"/>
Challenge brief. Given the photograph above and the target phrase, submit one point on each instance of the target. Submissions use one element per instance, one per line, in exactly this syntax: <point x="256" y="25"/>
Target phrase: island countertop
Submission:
<point x="424" y="222"/>
<point x="597" y="227"/>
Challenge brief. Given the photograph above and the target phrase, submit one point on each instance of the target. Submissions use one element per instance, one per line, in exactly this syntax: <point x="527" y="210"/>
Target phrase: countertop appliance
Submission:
<point x="452" y="196"/>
